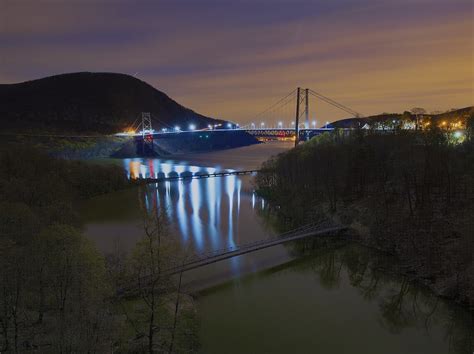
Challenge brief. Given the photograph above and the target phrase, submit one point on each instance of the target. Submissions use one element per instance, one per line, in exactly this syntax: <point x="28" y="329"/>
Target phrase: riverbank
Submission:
<point x="86" y="147"/>
<point x="405" y="194"/>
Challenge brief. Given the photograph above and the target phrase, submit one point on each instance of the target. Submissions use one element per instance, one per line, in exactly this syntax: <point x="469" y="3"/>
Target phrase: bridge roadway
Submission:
<point x="204" y="259"/>
<point x="253" y="131"/>
<point x="197" y="175"/>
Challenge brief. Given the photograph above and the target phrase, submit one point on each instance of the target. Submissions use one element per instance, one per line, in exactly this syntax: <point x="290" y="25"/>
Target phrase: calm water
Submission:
<point x="273" y="300"/>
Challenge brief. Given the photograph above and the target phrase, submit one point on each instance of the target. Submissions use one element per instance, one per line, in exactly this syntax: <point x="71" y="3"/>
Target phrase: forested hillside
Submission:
<point x="88" y="103"/>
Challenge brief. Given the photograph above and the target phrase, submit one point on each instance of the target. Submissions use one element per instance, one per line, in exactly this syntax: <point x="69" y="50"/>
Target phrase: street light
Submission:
<point x="262" y="124"/>
<point x="192" y="127"/>
<point x="229" y="125"/>
<point x="314" y="124"/>
<point x="280" y="124"/>
<point x="177" y="128"/>
<point x="253" y="125"/>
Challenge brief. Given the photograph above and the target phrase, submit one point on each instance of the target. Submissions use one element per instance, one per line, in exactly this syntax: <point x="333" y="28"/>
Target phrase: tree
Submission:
<point x="418" y="111"/>
<point x="77" y="290"/>
<point x="153" y="322"/>
<point x="53" y="291"/>
<point x="470" y="127"/>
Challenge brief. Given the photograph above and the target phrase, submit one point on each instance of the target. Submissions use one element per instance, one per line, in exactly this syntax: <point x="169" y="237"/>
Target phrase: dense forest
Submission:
<point x="57" y="292"/>
<point x="408" y="193"/>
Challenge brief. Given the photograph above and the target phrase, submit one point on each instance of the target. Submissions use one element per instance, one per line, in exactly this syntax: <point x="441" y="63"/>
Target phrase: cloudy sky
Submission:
<point x="233" y="58"/>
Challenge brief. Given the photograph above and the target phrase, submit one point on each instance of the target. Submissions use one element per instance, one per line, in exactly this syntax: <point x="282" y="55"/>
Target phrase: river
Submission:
<point x="331" y="299"/>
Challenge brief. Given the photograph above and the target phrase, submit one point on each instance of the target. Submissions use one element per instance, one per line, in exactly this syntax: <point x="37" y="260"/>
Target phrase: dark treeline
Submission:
<point x="58" y="294"/>
<point x="408" y="193"/>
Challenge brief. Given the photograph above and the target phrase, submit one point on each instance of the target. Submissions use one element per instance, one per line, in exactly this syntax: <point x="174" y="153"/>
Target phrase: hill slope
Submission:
<point x="89" y="103"/>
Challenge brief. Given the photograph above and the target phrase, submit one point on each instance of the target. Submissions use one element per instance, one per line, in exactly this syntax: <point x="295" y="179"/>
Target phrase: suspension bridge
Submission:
<point x="203" y="259"/>
<point x="288" y="117"/>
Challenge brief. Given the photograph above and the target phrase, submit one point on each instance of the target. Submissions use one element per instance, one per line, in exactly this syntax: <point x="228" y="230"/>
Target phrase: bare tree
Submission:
<point x="151" y="318"/>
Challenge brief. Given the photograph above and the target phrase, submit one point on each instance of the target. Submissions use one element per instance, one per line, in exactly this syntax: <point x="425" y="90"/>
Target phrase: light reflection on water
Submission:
<point x="206" y="213"/>
<point x="156" y="168"/>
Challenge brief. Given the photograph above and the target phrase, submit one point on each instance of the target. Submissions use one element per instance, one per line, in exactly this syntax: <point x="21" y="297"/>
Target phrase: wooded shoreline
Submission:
<point x="408" y="194"/>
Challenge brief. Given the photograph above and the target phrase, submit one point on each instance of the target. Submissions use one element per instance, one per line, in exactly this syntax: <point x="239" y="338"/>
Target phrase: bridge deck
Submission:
<point x="250" y="247"/>
<point x="198" y="176"/>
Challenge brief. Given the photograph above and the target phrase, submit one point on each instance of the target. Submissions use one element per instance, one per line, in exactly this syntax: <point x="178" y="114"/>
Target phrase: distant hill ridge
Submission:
<point x="88" y="102"/>
<point x="454" y="115"/>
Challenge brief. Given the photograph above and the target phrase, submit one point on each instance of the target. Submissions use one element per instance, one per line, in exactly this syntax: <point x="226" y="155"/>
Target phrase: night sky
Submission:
<point x="232" y="59"/>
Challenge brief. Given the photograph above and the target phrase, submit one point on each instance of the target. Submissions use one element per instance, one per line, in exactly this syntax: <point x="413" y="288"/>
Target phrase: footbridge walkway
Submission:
<point x="198" y="175"/>
<point x="203" y="259"/>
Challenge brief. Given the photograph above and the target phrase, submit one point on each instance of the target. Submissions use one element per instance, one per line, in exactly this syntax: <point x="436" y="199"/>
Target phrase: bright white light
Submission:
<point x="292" y="123"/>
<point x="177" y="128"/>
<point x="192" y="127"/>
<point x="164" y="130"/>
<point x="229" y="125"/>
<point x="262" y="124"/>
<point x="194" y="169"/>
<point x="458" y="134"/>
<point x="280" y="124"/>
<point x="253" y="125"/>
<point x="314" y="123"/>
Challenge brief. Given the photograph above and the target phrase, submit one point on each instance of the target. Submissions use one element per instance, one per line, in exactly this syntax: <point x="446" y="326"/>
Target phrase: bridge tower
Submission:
<point x="306" y="108"/>
<point x="146" y="124"/>
<point x="299" y="100"/>
<point x="297" y="117"/>
<point x="147" y="135"/>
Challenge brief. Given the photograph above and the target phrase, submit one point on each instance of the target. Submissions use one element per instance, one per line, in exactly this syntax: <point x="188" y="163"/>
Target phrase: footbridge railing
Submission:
<point x="202" y="259"/>
<point x="197" y="175"/>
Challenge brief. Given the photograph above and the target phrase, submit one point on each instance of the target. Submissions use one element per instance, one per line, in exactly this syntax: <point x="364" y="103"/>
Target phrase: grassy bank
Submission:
<point x="410" y="194"/>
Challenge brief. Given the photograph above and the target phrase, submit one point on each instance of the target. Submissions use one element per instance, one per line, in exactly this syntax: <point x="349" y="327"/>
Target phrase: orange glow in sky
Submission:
<point x="232" y="59"/>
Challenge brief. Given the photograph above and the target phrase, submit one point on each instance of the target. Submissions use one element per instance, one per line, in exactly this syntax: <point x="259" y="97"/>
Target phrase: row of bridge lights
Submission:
<point x="192" y="127"/>
<point x="280" y="124"/>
